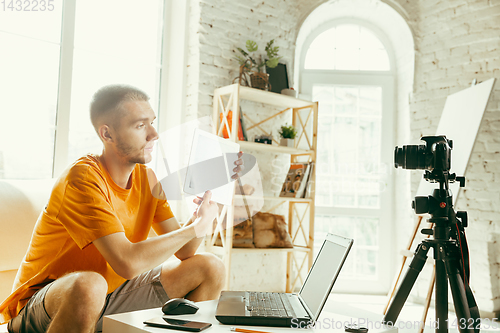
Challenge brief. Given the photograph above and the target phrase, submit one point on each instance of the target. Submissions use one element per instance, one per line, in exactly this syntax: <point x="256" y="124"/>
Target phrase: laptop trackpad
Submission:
<point x="230" y="307"/>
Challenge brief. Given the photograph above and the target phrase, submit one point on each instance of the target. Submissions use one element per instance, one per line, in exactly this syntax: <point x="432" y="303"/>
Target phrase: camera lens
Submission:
<point x="398" y="157"/>
<point x="410" y="157"/>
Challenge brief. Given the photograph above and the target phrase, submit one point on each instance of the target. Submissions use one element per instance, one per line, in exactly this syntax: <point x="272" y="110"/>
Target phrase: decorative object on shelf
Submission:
<point x="260" y="81"/>
<point x="296" y="180"/>
<point x="243" y="127"/>
<point x="229" y="118"/>
<point x="289" y="92"/>
<point x="287" y="134"/>
<point x="308" y="187"/>
<point x="278" y="78"/>
<point x="268" y="139"/>
<point x="252" y="68"/>
<point x="263" y="230"/>
<point x="246" y="189"/>
<point x="270" y="231"/>
<point x="243" y="234"/>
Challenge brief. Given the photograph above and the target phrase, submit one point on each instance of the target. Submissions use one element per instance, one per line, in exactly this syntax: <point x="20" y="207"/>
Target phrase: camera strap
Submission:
<point x="465" y="273"/>
<point x="464" y="251"/>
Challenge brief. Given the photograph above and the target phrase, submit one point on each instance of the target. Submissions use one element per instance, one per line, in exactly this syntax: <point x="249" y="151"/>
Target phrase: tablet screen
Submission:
<point x="211" y="162"/>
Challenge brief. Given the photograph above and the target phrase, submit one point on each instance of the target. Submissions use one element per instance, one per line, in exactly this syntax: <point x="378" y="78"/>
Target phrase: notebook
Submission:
<point x="285" y="309"/>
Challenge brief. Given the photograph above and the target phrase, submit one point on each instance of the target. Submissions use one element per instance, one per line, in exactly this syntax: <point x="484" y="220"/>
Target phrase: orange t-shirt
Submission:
<point x="85" y="205"/>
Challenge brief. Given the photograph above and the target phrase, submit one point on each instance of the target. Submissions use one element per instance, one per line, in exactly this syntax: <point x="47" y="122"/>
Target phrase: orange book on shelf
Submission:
<point x="225" y="132"/>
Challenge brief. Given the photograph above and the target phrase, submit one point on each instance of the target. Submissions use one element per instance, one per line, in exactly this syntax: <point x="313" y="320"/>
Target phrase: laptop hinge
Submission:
<point x="309" y="313"/>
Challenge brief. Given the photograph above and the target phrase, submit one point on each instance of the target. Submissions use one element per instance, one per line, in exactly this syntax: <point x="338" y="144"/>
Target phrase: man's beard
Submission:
<point x="125" y="150"/>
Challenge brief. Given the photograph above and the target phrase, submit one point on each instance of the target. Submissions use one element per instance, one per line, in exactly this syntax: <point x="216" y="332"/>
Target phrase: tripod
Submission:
<point x="451" y="259"/>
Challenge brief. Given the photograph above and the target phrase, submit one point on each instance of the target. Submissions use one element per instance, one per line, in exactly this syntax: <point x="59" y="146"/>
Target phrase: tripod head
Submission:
<point x="435" y="158"/>
<point x="440" y="204"/>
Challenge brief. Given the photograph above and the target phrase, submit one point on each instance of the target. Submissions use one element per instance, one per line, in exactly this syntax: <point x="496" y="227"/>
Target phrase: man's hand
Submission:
<point x="204" y="215"/>
<point x="239" y="166"/>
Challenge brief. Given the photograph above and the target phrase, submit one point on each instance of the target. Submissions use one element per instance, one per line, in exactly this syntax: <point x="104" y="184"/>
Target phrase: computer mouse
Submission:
<point x="179" y="306"/>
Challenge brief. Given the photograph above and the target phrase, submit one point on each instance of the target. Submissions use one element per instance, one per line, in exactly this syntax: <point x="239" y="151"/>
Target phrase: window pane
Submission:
<point x="349" y="146"/>
<point x="347" y="36"/>
<point x="362" y="263"/>
<point x="321" y="53"/>
<point x="28" y="106"/>
<point x="347" y="59"/>
<point x="121" y="52"/>
<point x="374" y="60"/>
<point x="43" y="25"/>
<point x="347" y="47"/>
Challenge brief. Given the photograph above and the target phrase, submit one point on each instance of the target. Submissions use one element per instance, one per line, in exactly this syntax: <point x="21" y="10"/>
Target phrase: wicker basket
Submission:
<point x="260" y="81"/>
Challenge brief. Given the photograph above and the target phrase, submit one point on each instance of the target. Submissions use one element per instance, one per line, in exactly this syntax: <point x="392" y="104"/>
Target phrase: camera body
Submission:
<point x="435" y="154"/>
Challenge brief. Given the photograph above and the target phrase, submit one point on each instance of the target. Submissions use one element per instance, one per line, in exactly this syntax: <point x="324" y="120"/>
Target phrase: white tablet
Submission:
<point x="211" y="164"/>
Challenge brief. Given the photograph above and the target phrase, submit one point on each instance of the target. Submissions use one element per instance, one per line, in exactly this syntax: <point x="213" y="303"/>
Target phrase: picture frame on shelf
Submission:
<point x="278" y="78"/>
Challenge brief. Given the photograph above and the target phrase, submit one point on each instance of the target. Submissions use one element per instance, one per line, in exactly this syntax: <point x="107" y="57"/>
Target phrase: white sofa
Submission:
<point x="21" y="202"/>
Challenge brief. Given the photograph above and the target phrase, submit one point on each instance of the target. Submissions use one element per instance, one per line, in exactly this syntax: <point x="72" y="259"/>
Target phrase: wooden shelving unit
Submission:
<point x="304" y="116"/>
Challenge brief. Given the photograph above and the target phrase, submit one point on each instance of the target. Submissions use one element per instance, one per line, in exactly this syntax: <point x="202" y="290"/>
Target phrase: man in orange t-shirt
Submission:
<point x="90" y="254"/>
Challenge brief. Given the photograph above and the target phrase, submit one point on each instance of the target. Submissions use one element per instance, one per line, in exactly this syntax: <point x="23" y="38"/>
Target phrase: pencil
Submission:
<point x="242" y="330"/>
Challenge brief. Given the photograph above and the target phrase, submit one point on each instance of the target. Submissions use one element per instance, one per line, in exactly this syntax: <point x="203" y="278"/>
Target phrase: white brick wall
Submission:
<point x="456" y="41"/>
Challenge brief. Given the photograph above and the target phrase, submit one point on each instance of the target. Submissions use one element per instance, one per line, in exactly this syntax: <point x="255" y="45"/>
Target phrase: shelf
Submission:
<point x="259" y="96"/>
<point x="220" y="250"/>
<point x="304" y="117"/>
<point x="268" y="198"/>
<point x="274" y="149"/>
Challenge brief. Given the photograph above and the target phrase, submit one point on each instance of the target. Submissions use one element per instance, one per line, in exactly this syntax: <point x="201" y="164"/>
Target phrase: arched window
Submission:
<point x="347" y="68"/>
<point x="347" y="47"/>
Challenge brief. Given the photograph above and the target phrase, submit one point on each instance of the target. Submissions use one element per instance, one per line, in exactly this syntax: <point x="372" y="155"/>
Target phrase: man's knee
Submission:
<point x="85" y="291"/>
<point x="88" y="286"/>
<point x="212" y="266"/>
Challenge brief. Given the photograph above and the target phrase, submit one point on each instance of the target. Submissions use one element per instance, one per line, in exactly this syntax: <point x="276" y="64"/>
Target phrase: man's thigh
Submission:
<point x="143" y="292"/>
<point x="33" y="317"/>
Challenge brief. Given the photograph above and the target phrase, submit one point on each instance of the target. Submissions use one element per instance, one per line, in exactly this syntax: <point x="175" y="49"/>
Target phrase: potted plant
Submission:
<point x="287" y="134"/>
<point x="251" y="64"/>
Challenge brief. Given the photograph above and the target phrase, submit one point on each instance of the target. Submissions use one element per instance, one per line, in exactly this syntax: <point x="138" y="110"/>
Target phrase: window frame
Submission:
<point x="64" y="90"/>
<point x="387" y="80"/>
<point x="173" y="49"/>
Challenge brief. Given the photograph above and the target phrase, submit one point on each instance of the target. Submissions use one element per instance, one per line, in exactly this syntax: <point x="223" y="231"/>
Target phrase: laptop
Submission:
<point x="284" y="309"/>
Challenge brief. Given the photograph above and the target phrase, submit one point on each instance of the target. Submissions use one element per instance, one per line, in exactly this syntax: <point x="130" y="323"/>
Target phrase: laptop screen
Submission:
<point x="324" y="272"/>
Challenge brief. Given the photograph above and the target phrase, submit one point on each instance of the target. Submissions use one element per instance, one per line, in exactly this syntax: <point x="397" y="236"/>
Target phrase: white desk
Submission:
<point x="132" y="322"/>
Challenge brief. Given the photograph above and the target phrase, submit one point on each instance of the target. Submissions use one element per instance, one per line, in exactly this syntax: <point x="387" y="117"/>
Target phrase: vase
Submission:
<point x="287" y="142"/>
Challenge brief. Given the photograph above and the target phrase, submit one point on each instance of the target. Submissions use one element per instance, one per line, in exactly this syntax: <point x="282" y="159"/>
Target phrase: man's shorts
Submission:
<point x="143" y="292"/>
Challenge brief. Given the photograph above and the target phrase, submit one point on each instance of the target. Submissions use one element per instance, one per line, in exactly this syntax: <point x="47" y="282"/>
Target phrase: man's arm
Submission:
<point x="131" y="259"/>
<point x="167" y="226"/>
<point x="172" y="224"/>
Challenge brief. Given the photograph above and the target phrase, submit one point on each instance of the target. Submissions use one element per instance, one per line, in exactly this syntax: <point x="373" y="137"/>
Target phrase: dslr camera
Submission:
<point x="434" y="155"/>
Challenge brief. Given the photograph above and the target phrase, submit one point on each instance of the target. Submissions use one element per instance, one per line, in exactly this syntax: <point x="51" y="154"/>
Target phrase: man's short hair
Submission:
<point x="109" y="99"/>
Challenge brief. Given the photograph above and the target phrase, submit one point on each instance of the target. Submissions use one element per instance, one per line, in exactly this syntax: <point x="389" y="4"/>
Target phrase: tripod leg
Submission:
<point x="412" y="238"/>
<point x="464" y="321"/>
<point x="404" y="289"/>
<point x="428" y="301"/>
<point x="441" y="302"/>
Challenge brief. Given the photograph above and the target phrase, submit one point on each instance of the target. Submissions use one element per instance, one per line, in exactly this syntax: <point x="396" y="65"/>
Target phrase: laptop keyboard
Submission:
<point x="264" y="304"/>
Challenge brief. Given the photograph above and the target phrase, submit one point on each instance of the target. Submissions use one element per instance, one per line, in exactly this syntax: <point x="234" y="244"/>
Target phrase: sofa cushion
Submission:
<point x="6" y="282"/>
<point x="21" y="202"/>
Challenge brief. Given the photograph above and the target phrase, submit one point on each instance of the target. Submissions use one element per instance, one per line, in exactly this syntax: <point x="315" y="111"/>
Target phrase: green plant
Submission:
<point x="287" y="132"/>
<point x="248" y="59"/>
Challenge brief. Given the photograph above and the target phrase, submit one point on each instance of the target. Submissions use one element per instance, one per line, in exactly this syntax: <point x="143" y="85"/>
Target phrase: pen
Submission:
<point x="242" y="330"/>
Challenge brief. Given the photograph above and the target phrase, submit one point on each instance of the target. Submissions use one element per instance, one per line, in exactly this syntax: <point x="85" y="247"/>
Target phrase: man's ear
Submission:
<point x="105" y="133"/>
